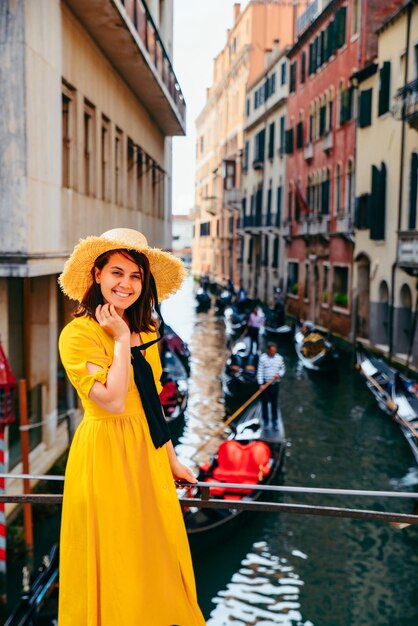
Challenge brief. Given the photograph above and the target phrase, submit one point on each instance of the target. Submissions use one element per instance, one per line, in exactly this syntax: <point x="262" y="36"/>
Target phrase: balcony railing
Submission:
<point x="344" y="223"/>
<point x="308" y="152"/>
<point x="265" y="220"/>
<point x="232" y="198"/>
<point x="405" y="106"/>
<point x="328" y="142"/>
<point x="128" y="36"/>
<point x="408" y="250"/>
<point x="319" y="225"/>
<point x="210" y="204"/>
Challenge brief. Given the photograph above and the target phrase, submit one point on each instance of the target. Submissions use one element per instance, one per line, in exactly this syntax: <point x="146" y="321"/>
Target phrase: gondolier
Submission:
<point x="270" y="365"/>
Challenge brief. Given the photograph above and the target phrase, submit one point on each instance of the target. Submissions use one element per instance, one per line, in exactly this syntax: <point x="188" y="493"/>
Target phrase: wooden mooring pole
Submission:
<point x="24" y="442"/>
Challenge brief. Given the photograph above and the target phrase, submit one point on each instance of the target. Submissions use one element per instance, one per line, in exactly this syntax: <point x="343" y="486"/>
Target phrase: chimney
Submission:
<point x="237" y="10"/>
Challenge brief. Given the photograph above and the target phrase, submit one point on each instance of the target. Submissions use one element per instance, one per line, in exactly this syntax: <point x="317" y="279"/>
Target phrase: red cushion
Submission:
<point x="241" y="463"/>
<point x="168" y="394"/>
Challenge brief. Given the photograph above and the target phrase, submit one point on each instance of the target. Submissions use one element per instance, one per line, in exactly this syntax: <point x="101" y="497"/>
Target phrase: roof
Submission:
<point x="398" y="13"/>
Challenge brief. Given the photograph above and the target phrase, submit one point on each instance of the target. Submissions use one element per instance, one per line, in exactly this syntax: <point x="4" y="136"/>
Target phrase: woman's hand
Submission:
<point x="181" y="472"/>
<point x="110" y="320"/>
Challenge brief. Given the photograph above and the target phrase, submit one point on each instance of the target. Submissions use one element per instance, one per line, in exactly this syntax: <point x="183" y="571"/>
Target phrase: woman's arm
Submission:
<point x="112" y="395"/>
<point x="179" y="471"/>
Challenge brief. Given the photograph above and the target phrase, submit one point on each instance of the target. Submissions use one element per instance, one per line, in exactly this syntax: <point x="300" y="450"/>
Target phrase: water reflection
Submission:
<point x="299" y="570"/>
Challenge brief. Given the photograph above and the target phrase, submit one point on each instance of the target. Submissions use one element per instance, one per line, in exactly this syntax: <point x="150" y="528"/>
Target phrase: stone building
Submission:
<point x="89" y="102"/>
<point x="386" y="253"/>
<point x="261" y="258"/>
<point x="335" y="39"/>
<point x="220" y="131"/>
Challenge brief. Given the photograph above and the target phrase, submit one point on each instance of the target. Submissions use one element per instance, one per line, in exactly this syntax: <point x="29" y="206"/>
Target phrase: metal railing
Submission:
<point x="203" y="500"/>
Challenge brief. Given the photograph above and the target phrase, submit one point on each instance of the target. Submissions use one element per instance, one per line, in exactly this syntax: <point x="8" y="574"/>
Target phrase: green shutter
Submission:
<point x="365" y="108"/>
<point x="384" y="88"/>
<point x="374" y="199"/>
<point x="340" y="20"/>
<point x="413" y="189"/>
<point x="289" y="141"/>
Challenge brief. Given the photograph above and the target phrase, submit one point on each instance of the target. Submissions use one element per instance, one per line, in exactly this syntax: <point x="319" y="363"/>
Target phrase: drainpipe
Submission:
<point x="401" y="179"/>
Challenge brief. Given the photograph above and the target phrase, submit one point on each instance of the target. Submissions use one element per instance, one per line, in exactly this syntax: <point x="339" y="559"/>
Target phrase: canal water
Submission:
<point x="291" y="569"/>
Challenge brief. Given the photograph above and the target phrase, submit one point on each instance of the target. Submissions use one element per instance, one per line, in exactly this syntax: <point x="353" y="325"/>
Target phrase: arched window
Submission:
<point x="383" y="292"/>
<point x="406" y="298"/>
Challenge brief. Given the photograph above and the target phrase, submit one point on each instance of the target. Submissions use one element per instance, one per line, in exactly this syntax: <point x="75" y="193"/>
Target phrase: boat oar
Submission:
<point x="234" y="415"/>
<point x="389" y="402"/>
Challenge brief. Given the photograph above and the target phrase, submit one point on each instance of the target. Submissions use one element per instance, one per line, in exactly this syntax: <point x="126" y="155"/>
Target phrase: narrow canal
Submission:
<point x="298" y="570"/>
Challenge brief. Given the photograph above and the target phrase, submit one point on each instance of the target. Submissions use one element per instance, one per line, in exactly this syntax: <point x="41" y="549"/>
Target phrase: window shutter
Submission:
<point x="299" y="135"/>
<point x="374" y="198"/>
<point x="384" y="88"/>
<point x="365" y="108"/>
<point x="279" y="206"/>
<point x="292" y="86"/>
<point x="271" y="140"/>
<point x="289" y="141"/>
<point x="322" y="120"/>
<point x="269" y="196"/>
<point x="413" y="188"/>
<point x="302" y="67"/>
<point x="325" y="198"/>
<point x="340" y="19"/>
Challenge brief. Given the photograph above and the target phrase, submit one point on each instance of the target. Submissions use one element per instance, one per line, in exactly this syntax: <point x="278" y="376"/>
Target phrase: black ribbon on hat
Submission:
<point x="144" y="380"/>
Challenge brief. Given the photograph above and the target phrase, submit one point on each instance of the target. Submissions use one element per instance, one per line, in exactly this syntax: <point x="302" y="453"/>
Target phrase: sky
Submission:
<point x="199" y="35"/>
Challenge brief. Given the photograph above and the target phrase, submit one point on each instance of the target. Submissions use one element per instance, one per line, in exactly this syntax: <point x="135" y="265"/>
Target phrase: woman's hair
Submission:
<point x="139" y="314"/>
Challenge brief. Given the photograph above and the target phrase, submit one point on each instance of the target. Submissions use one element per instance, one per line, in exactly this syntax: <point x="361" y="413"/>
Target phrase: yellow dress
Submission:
<point x="124" y="553"/>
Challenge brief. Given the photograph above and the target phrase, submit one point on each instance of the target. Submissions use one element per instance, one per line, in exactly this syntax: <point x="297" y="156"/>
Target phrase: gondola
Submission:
<point x="203" y="300"/>
<point x="173" y="342"/>
<point x="38" y="605"/>
<point x="239" y="376"/>
<point x="315" y="351"/>
<point x="252" y="455"/>
<point x="175" y="392"/>
<point x="275" y="326"/>
<point x="395" y="394"/>
<point x="224" y="300"/>
<point x="235" y="321"/>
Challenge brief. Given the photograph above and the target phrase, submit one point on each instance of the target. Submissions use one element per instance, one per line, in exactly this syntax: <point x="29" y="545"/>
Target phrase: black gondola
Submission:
<point x="275" y="326"/>
<point x="235" y="320"/>
<point x="239" y="376"/>
<point x="395" y="394"/>
<point x="175" y="392"/>
<point x="224" y="300"/>
<point x="252" y="456"/>
<point x="38" y="605"/>
<point x="173" y="342"/>
<point x="203" y="300"/>
<point x="315" y="351"/>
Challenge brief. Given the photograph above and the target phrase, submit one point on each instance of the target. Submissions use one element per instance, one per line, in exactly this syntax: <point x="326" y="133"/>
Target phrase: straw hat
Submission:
<point x="76" y="278"/>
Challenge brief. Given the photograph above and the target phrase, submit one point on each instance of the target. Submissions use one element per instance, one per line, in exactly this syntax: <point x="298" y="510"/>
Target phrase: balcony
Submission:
<point x="320" y="225"/>
<point x="328" y="142"/>
<point x="127" y="35"/>
<point x="209" y="204"/>
<point x="405" y="106"/>
<point x="343" y="223"/>
<point x="408" y="251"/>
<point x="232" y="198"/>
<point x="308" y="152"/>
<point x="286" y="228"/>
<point x="304" y="228"/>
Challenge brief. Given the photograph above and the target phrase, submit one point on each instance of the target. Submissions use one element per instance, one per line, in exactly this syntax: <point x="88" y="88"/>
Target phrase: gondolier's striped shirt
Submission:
<point x="269" y="366"/>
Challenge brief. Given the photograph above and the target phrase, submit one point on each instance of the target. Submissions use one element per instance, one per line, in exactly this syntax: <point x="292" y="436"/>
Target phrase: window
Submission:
<point x="250" y="251"/>
<point x="303" y="67"/>
<point x="350" y="187"/>
<point x="361" y="220"/>
<point x="279" y="205"/>
<point x="246" y="156"/>
<point x="292" y="84"/>
<point x="355" y="17"/>
<point x="322" y="120"/>
<point x="378" y="203"/>
<point x="365" y="108"/>
<point x="346" y="104"/>
<point x="325" y="192"/>
<point x="384" y="88"/>
<point x="293" y="278"/>
<point x="205" y="229"/>
<point x="275" y="260"/>
<point x="289" y="141"/>
<point x="68" y="136"/>
<point x="413" y="195"/>
<point x="266" y="251"/>
<point x="118" y="167"/>
<point x="283" y="73"/>
<point x="131" y="173"/>
<point x="140" y="175"/>
<point x="282" y="132"/>
<point x="340" y="26"/>
<point x="105" y="158"/>
<point x="269" y="199"/>
<point x="259" y="148"/>
<point x="340" y="287"/>
<point x="248" y="107"/>
<point x="299" y="135"/>
<point x="271" y="141"/>
<point x="88" y="148"/>
<point x="337" y="188"/>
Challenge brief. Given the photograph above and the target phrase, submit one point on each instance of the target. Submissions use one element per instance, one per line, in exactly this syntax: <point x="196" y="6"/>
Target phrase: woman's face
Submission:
<point x="120" y="281"/>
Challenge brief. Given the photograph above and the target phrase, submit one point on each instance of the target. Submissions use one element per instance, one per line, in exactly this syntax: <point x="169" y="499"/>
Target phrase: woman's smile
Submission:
<point x="120" y="281"/>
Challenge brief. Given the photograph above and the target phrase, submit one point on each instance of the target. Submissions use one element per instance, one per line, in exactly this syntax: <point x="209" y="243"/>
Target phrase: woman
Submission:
<point x="124" y="554"/>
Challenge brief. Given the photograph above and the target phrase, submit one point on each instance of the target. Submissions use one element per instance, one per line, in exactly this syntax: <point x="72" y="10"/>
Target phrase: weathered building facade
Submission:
<point x="89" y="100"/>
<point x="385" y="255"/>
<point x="220" y="131"/>
<point x="261" y="259"/>
<point x="335" y="39"/>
